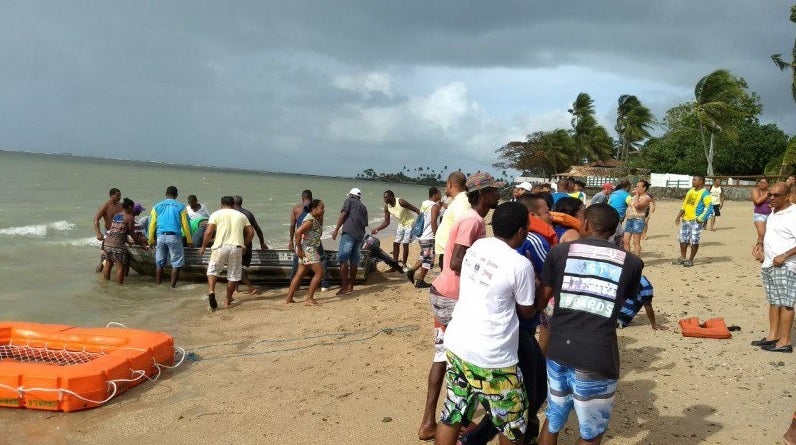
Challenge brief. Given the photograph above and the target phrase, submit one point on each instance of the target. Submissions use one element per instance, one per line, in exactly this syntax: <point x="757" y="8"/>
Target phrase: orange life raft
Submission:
<point x="713" y="328"/>
<point x="65" y="368"/>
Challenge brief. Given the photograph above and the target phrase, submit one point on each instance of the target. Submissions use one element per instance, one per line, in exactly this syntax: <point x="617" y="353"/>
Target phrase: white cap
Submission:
<point x="525" y="186"/>
<point x="355" y="191"/>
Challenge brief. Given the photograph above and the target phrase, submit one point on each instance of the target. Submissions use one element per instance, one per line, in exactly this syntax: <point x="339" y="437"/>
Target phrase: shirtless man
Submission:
<point x="106" y="213"/>
<point x="637" y="205"/>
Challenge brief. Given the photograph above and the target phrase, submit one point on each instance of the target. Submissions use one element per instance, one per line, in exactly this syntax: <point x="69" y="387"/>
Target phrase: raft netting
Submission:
<point x="63" y="357"/>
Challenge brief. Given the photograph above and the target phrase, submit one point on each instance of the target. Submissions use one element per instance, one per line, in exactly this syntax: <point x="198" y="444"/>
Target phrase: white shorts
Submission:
<point x="229" y="256"/>
<point x="403" y="235"/>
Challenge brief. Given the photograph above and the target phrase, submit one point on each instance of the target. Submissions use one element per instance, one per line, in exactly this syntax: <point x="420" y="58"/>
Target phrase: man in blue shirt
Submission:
<point x="169" y="221"/>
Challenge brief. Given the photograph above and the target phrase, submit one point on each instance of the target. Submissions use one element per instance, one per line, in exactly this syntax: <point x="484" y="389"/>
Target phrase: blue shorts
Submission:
<point x="169" y="247"/>
<point x="591" y="395"/>
<point x="759" y="217"/>
<point x="690" y="232"/>
<point x="349" y="249"/>
<point x="635" y="225"/>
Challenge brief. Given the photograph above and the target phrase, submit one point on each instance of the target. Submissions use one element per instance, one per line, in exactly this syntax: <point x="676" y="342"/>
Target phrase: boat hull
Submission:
<point x="267" y="266"/>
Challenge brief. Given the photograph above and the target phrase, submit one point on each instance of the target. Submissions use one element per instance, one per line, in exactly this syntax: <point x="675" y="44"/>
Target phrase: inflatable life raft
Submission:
<point x="65" y="368"/>
<point x="713" y="328"/>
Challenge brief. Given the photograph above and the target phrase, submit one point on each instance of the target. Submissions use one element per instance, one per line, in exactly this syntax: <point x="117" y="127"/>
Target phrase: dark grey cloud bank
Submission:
<point x="336" y="87"/>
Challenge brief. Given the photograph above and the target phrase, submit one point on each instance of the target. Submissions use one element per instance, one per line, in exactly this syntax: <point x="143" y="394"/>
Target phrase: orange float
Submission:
<point x="65" y="368"/>
<point x="713" y="328"/>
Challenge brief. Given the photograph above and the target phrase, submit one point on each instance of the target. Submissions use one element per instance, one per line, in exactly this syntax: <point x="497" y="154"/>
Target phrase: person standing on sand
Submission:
<point x="717" y="199"/>
<point x="167" y="219"/>
<point x="603" y="195"/>
<point x="761" y="207"/>
<point x="297" y="215"/>
<point x="693" y="213"/>
<point x="778" y="253"/>
<point x="590" y="279"/>
<point x="482" y="196"/>
<point x="106" y="213"/>
<point x="637" y="207"/>
<point x="353" y="220"/>
<point x="482" y="338"/>
<point x="247" y="253"/>
<point x="430" y="211"/>
<point x="230" y="231"/>
<point x="122" y="226"/>
<point x="308" y="242"/>
<point x="402" y="210"/>
<point x="455" y="189"/>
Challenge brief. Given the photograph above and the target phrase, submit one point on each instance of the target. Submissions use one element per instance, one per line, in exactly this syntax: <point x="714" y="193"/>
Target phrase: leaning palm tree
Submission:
<point x="777" y="58"/>
<point x="716" y="108"/>
<point x="633" y="124"/>
<point x="583" y="121"/>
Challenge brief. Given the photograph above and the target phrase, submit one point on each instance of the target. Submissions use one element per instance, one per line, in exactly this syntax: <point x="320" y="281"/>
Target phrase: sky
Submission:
<point x="336" y="87"/>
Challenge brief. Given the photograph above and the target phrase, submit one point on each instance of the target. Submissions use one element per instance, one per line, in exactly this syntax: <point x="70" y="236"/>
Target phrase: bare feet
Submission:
<point x="289" y="300"/>
<point x="253" y="291"/>
<point x="426" y="432"/>
<point x="343" y="292"/>
<point x="311" y="302"/>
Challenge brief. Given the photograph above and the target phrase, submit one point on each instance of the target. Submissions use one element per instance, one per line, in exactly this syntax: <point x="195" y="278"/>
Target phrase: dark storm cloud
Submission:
<point x="352" y="84"/>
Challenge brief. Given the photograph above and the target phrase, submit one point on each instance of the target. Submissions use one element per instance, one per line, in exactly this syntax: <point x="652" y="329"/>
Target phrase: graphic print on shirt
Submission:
<point x="591" y="279"/>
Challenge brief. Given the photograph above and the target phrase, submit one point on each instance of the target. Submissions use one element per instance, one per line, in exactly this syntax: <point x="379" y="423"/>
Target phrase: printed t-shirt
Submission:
<point x="634" y="304"/>
<point x="354" y="225"/>
<point x="469" y="228"/>
<point x="715" y="195"/>
<point x="631" y="212"/>
<point x="484" y="326"/>
<point x="590" y="279"/>
<point x="455" y="209"/>
<point x="780" y="237"/>
<point x="696" y="204"/>
<point x="405" y="216"/>
<point x="230" y="224"/>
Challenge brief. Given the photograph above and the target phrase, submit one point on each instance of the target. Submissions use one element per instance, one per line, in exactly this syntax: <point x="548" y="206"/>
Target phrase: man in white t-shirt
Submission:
<point x="717" y="199"/>
<point x="230" y="231"/>
<point x="482" y="337"/>
<point x="430" y="211"/>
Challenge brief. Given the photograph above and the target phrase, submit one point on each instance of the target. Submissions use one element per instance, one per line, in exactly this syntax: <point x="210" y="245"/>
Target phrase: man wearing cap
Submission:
<point x="167" y="219"/>
<point x="482" y="195"/>
<point x="602" y="196"/>
<point x="520" y="189"/>
<point x="353" y="219"/>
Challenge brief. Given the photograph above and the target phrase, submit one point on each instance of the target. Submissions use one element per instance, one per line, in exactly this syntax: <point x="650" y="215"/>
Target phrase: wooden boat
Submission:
<point x="268" y="266"/>
<point x="63" y="368"/>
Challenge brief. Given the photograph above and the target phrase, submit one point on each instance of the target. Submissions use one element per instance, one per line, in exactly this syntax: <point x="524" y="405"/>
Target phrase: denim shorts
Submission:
<point x="759" y="217"/>
<point x="349" y="249"/>
<point x="169" y="247"/>
<point x="635" y="225"/>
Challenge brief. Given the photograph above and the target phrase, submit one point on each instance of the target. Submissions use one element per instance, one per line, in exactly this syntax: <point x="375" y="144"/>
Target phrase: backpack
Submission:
<point x="419" y="226"/>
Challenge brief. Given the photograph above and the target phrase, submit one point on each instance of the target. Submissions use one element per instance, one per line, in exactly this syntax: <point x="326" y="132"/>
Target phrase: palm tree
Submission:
<point x="777" y="58"/>
<point x="717" y="96"/>
<point x="590" y="143"/>
<point x="633" y="123"/>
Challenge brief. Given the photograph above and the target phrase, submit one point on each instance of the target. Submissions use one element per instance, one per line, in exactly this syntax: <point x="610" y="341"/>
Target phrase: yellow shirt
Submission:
<point x="405" y="216"/>
<point x="230" y="224"/>
<point x="455" y="209"/>
<point x="696" y="205"/>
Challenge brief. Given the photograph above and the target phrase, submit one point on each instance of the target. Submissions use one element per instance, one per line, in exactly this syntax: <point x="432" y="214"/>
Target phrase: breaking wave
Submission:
<point x="37" y="230"/>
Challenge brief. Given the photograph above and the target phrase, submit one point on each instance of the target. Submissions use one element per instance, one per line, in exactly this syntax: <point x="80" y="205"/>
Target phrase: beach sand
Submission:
<point x="354" y="370"/>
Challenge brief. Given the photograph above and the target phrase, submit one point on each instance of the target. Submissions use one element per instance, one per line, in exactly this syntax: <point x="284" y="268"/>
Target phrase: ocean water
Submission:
<point x="48" y="249"/>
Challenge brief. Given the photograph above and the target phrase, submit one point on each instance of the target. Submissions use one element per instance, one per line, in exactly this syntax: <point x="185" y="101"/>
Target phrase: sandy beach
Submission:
<point x="354" y="369"/>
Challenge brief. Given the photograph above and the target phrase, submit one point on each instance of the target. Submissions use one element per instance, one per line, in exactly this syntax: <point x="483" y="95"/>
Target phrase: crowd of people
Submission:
<point x="521" y="317"/>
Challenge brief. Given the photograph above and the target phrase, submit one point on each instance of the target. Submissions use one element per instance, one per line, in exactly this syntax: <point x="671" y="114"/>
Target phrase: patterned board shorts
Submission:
<point x="403" y="235"/>
<point x="117" y="255"/>
<point x="442" y="307"/>
<point x="500" y="390"/>
<point x="427" y="254"/>
<point x="780" y="286"/>
<point x="592" y="397"/>
<point x="229" y="256"/>
<point x="690" y="232"/>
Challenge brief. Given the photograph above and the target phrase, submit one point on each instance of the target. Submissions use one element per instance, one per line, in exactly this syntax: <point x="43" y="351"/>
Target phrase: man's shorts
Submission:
<point x="403" y="235"/>
<point x="759" y="217"/>
<point x="169" y="247"/>
<point x="717" y="210"/>
<point x="427" y="254"/>
<point x="780" y="286"/>
<point x="690" y="232"/>
<point x="635" y="225"/>
<point x="501" y="390"/>
<point x="226" y="255"/>
<point x="348" y="251"/>
<point x="590" y="394"/>
<point x="442" y="307"/>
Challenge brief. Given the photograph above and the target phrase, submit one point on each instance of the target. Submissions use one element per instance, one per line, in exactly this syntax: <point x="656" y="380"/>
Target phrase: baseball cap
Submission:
<point x="356" y="192"/>
<point x="525" y="186"/>
<point x="608" y="186"/>
<point x="482" y="180"/>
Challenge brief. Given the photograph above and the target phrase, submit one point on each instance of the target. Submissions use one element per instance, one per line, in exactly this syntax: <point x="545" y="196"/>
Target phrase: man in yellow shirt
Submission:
<point x="456" y="189"/>
<point x="694" y="212"/>
<point x="405" y="213"/>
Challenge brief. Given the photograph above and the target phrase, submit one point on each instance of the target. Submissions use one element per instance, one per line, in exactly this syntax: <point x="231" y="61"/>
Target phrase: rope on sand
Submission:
<point x="336" y="338"/>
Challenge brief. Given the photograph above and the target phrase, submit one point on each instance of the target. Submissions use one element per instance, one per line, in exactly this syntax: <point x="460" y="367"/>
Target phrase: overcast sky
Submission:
<point x="335" y="87"/>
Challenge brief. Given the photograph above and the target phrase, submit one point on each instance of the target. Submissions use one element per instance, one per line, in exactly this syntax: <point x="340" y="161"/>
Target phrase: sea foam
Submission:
<point x="37" y="230"/>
